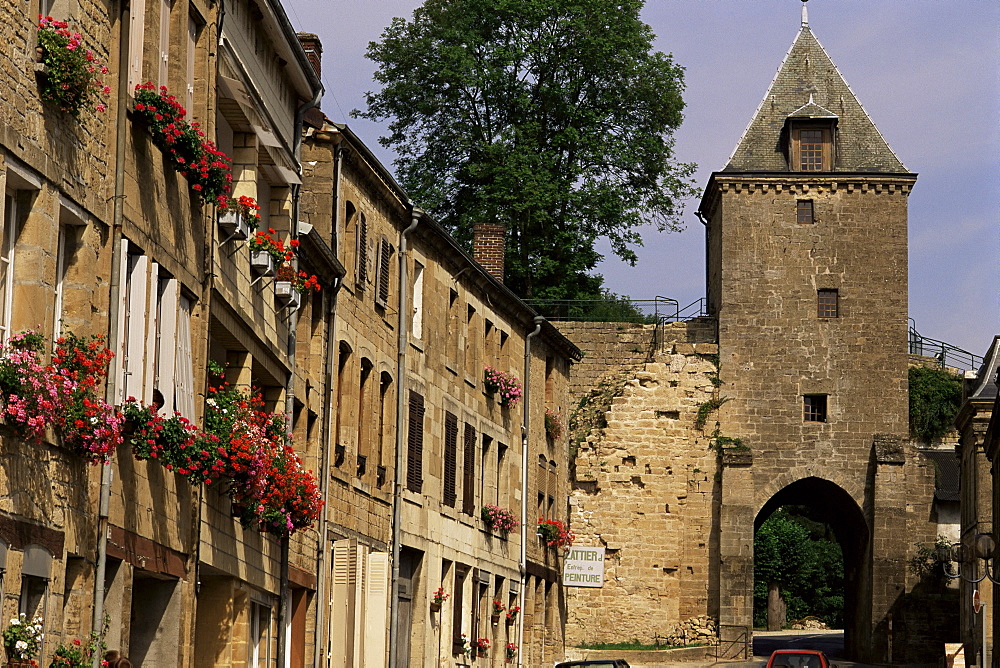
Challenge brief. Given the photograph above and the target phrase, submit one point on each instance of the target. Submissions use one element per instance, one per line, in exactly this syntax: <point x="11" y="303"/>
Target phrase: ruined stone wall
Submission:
<point x="644" y="488"/>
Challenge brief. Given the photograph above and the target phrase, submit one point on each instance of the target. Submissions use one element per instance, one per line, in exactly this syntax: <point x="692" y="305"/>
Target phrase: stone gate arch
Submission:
<point x="836" y="508"/>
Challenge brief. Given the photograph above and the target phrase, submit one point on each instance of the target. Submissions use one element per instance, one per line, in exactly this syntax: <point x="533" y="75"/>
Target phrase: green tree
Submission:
<point x="935" y="397"/>
<point x="806" y="561"/>
<point x="554" y="118"/>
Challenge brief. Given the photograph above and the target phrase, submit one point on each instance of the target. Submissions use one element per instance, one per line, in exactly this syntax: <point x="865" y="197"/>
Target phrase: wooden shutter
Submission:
<point x="384" y="256"/>
<point x="137" y="22"/>
<point x="469" y="472"/>
<point x="450" y="458"/>
<point x="340" y="601"/>
<point x="184" y="361"/>
<point x="376" y="609"/>
<point x="415" y="444"/>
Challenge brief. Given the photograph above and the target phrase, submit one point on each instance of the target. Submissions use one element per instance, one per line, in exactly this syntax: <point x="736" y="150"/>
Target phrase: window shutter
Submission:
<point x="137" y="22"/>
<point x="376" y="608"/>
<point x="184" y="362"/>
<point x="384" y="257"/>
<point x="469" y="472"/>
<point x="415" y="444"/>
<point x="340" y="599"/>
<point x="450" y="458"/>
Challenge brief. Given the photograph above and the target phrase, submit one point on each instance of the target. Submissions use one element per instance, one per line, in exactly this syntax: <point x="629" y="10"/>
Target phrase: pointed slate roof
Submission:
<point x="809" y="85"/>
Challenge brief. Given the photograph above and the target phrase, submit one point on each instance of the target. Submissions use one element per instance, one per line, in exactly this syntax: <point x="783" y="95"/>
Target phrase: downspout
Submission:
<point x="525" y="425"/>
<point x="284" y="629"/>
<point x="118" y="214"/>
<point x="322" y="602"/>
<point x="397" y="489"/>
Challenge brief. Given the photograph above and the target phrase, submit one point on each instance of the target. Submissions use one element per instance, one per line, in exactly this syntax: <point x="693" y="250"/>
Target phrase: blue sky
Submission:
<point x="927" y="72"/>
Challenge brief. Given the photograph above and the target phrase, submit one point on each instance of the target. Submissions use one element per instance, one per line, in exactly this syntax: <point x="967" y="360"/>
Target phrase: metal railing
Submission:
<point x="735" y="642"/>
<point x="945" y="353"/>
<point x="618" y="309"/>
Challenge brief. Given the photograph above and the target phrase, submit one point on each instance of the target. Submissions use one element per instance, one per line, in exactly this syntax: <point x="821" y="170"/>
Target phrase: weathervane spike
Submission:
<point x="805" y="14"/>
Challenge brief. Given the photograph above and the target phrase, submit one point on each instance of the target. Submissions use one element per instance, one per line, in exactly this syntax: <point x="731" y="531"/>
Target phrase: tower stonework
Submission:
<point x="807" y="273"/>
<point x="792" y="392"/>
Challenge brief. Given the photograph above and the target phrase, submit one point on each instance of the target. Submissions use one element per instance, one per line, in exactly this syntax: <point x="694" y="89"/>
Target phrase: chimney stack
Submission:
<point x="314" y="50"/>
<point x="488" y="247"/>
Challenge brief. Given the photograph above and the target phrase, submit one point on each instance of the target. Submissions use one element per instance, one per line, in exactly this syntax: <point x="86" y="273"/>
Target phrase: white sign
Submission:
<point x="584" y="567"/>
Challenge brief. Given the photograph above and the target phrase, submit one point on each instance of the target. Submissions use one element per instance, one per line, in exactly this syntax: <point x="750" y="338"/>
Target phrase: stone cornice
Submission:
<point x="800" y="183"/>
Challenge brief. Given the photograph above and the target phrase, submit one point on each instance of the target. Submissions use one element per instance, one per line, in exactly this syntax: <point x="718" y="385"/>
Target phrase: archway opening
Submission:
<point x="812" y="538"/>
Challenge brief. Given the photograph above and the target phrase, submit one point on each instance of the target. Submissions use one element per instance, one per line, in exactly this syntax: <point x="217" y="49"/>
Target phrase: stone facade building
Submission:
<point x="423" y="444"/>
<point x="976" y="423"/>
<point x="104" y="235"/>
<point x="798" y="397"/>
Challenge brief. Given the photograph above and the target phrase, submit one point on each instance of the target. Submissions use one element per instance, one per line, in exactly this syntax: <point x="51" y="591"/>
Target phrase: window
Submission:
<point x="384" y="271"/>
<point x="458" y="609"/>
<point x="344" y="358"/>
<point x="35" y="572"/>
<point x="361" y="270"/>
<point x="812" y="150"/>
<point x="450" y="458"/>
<point x="814" y="407"/>
<point x="12" y="205"/>
<point x="385" y="384"/>
<point x="260" y="635"/>
<point x="804" y="212"/>
<point x="472" y="344"/>
<point x="364" y="417"/>
<point x="827" y="303"/>
<point x="415" y="444"/>
<point x="503" y="476"/>
<point x="469" y="471"/>
<point x="190" y="57"/>
<point x="451" y="332"/>
<point x="417" y="325"/>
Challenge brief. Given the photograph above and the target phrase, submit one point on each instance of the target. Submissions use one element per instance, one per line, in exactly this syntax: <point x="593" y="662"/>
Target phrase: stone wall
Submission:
<point x="644" y="488"/>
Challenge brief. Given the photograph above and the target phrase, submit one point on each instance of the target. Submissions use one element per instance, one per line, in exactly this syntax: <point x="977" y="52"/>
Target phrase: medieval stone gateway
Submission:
<point x="793" y="391"/>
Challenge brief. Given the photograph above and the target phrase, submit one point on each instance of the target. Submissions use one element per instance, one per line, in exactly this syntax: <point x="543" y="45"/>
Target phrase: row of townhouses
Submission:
<point x="327" y="433"/>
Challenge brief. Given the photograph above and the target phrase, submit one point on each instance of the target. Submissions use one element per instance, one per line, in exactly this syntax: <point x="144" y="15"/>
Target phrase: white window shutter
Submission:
<point x="184" y="362"/>
<point x="152" y="325"/>
<point x="166" y="378"/>
<point x="339" y="602"/>
<point x="137" y="21"/>
<point x="376" y="609"/>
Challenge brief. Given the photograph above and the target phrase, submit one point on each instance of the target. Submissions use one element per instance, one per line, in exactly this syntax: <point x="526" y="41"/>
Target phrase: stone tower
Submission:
<point x="807" y="278"/>
<point x="793" y="392"/>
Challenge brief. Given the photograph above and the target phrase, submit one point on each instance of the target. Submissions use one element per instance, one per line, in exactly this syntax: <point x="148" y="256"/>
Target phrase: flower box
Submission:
<point x="286" y="295"/>
<point x="261" y="263"/>
<point x="234" y="226"/>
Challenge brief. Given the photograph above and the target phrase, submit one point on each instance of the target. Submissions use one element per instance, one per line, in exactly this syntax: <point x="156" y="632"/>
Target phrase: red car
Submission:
<point x="799" y="658"/>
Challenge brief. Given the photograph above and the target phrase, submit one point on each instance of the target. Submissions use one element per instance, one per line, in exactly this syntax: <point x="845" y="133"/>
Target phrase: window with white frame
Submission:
<point x="260" y="635"/>
<point x="9" y="233"/>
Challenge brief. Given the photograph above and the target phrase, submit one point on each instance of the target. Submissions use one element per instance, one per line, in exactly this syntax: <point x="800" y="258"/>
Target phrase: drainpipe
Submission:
<point x="118" y="214"/>
<point x="397" y="491"/>
<point x="322" y="598"/>
<point x="525" y="424"/>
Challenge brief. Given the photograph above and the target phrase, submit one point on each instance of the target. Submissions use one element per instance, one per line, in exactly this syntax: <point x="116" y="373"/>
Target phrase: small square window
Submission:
<point x="814" y="407"/>
<point x="804" y="212"/>
<point x="827" y="303"/>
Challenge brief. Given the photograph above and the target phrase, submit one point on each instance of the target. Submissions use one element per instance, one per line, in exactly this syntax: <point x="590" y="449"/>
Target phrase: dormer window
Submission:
<point x="812" y="149"/>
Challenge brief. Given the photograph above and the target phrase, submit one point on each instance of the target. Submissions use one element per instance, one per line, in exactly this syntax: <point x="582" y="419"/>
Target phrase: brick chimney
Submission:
<point x="314" y="50"/>
<point x="488" y="247"/>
